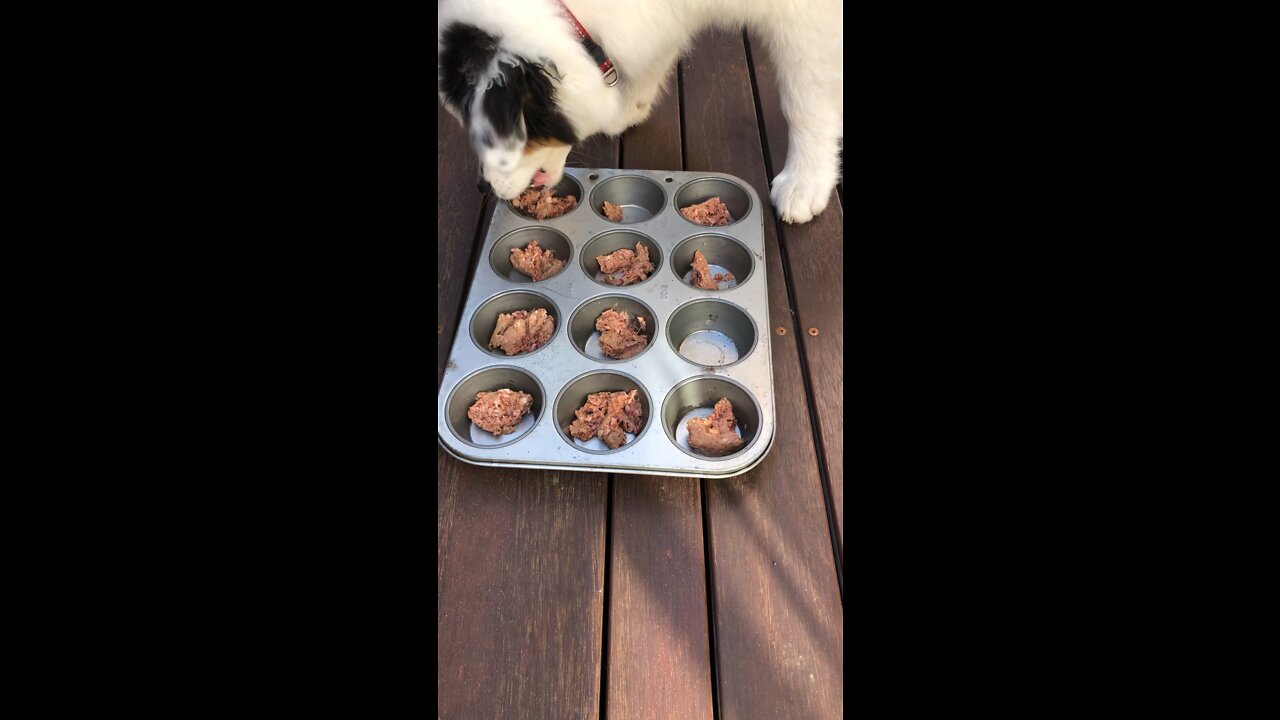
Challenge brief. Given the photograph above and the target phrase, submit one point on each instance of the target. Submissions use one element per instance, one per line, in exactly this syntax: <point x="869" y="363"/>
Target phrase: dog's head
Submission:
<point x="507" y="104"/>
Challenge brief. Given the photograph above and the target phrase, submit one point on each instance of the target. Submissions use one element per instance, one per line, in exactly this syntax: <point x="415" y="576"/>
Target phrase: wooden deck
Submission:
<point x="584" y="595"/>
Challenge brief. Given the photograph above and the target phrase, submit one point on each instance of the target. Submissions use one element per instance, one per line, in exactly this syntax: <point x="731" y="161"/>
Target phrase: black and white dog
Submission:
<point x="528" y="78"/>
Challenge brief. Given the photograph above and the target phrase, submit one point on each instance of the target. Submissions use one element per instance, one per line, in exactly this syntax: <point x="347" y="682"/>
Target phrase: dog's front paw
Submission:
<point x="799" y="198"/>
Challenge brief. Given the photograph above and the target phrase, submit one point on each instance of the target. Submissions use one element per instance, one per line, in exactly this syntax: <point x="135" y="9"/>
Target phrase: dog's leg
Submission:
<point x="809" y="60"/>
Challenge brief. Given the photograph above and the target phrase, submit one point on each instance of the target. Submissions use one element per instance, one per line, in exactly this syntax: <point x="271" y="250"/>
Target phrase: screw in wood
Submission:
<point x="813" y="331"/>
<point x="782" y="331"/>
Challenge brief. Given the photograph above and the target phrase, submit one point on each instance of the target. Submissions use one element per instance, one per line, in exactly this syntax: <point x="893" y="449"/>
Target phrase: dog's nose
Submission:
<point x="484" y="187"/>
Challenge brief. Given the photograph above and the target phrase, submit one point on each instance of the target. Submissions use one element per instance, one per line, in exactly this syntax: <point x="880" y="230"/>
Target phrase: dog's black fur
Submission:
<point x="520" y="90"/>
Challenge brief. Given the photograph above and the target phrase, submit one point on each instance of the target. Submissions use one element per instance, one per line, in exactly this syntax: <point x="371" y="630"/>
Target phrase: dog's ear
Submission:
<point x="542" y="114"/>
<point x="524" y="90"/>
<point x="465" y="54"/>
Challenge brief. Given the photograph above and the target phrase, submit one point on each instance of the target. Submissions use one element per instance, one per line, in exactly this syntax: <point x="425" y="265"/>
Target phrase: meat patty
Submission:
<point x="626" y="267"/>
<point x="543" y="204"/>
<point x="702" y="277"/>
<point x="609" y="416"/>
<point x="522" y="331"/>
<point x="537" y="262"/>
<point x="711" y="213"/>
<point x="714" y="435"/>
<point x="621" y="335"/>
<point x="500" y="411"/>
<point x="611" y="211"/>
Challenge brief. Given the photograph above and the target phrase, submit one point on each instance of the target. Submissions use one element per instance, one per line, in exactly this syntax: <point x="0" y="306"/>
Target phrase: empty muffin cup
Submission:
<point x="724" y="254"/>
<point x="696" y="398"/>
<point x="489" y="380"/>
<point x="548" y="239"/>
<point x="639" y="197"/>
<point x="612" y="241"/>
<point x="586" y="338"/>
<point x="711" y="333"/>
<point x="701" y="190"/>
<point x="574" y="396"/>
<point x="485" y="318"/>
<point x="566" y="186"/>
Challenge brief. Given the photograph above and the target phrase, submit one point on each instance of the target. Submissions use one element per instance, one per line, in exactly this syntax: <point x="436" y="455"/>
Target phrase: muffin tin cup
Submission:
<point x="698" y="396"/>
<point x="732" y="194"/>
<point x="712" y="333"/>
<point x="574" y="396"/>
<point x="639" y="197"/>
<point x="485" y="319"/>
<point x="613" y="240"/>
<point x="568" y="185"/>
<point x="582" y="325"/>
<point x="548" y="239"/>
<point x="722" y="252"/>
<point x="493" y="378"/>
<point x="680" y="315"/>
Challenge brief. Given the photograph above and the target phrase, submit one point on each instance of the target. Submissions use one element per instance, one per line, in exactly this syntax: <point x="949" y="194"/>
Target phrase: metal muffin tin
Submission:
<point x="563" y="372"/>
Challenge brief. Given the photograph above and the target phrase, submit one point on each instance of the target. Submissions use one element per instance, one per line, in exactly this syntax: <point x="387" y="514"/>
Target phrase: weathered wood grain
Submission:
<point x="659" y="652"/>
<point x="521" y="600"/>
<point x="815" y="252"/>
<point x="778" y="614"/>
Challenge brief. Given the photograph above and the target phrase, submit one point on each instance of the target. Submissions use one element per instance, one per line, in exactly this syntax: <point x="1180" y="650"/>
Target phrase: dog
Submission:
<point x="529" y="78"/>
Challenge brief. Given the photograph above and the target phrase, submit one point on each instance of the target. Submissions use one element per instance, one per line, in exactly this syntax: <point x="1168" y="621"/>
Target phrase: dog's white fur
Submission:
<point x="645" y="38"/>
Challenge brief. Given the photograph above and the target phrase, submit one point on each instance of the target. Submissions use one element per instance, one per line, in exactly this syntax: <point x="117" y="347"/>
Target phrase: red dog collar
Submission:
<point x="595" y="51"/>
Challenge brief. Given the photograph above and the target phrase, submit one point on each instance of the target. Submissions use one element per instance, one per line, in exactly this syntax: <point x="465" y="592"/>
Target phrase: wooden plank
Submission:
<point x="815" y="252"/>
<point x="659" y="656"/>
<point x="655" y="145"/>
<point x="520" y="553"/>
<point x="777" y="608"/>
<point x="520" y="606"/>
<point x="659" y="651"/>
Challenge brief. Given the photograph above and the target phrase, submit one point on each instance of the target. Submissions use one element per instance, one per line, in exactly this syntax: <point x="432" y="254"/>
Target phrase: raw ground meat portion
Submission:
<point x="626" y="267"/>
<point x="621" y="334"/>
<point x="522" y="331"/>
<point x="500" y="411"/>
<point x="714" y="435"/>
<point x="702" y="277"/>
<point x="711" y="213"/>
<point x="613" y="212"/>
<point x="537" y="262"/>
<point x="609" y="416"/>
<point x="544" y="204"/>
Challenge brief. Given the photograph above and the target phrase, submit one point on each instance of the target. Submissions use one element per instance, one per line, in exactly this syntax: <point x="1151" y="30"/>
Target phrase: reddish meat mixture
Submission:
<point x="543" y="204"/>
<point x="702" y="277"/>
<point x="609" y="416"/>
<point x="714" y="435"/>
<point x="613" y="212"/>
<point x="711" y="213"/>
<point x="500" y="411"/>
<point x="536" y="262"/>
<point x="522" y="331"/>
<point x="625" y="267"/>
<point x="621" y="335"/>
